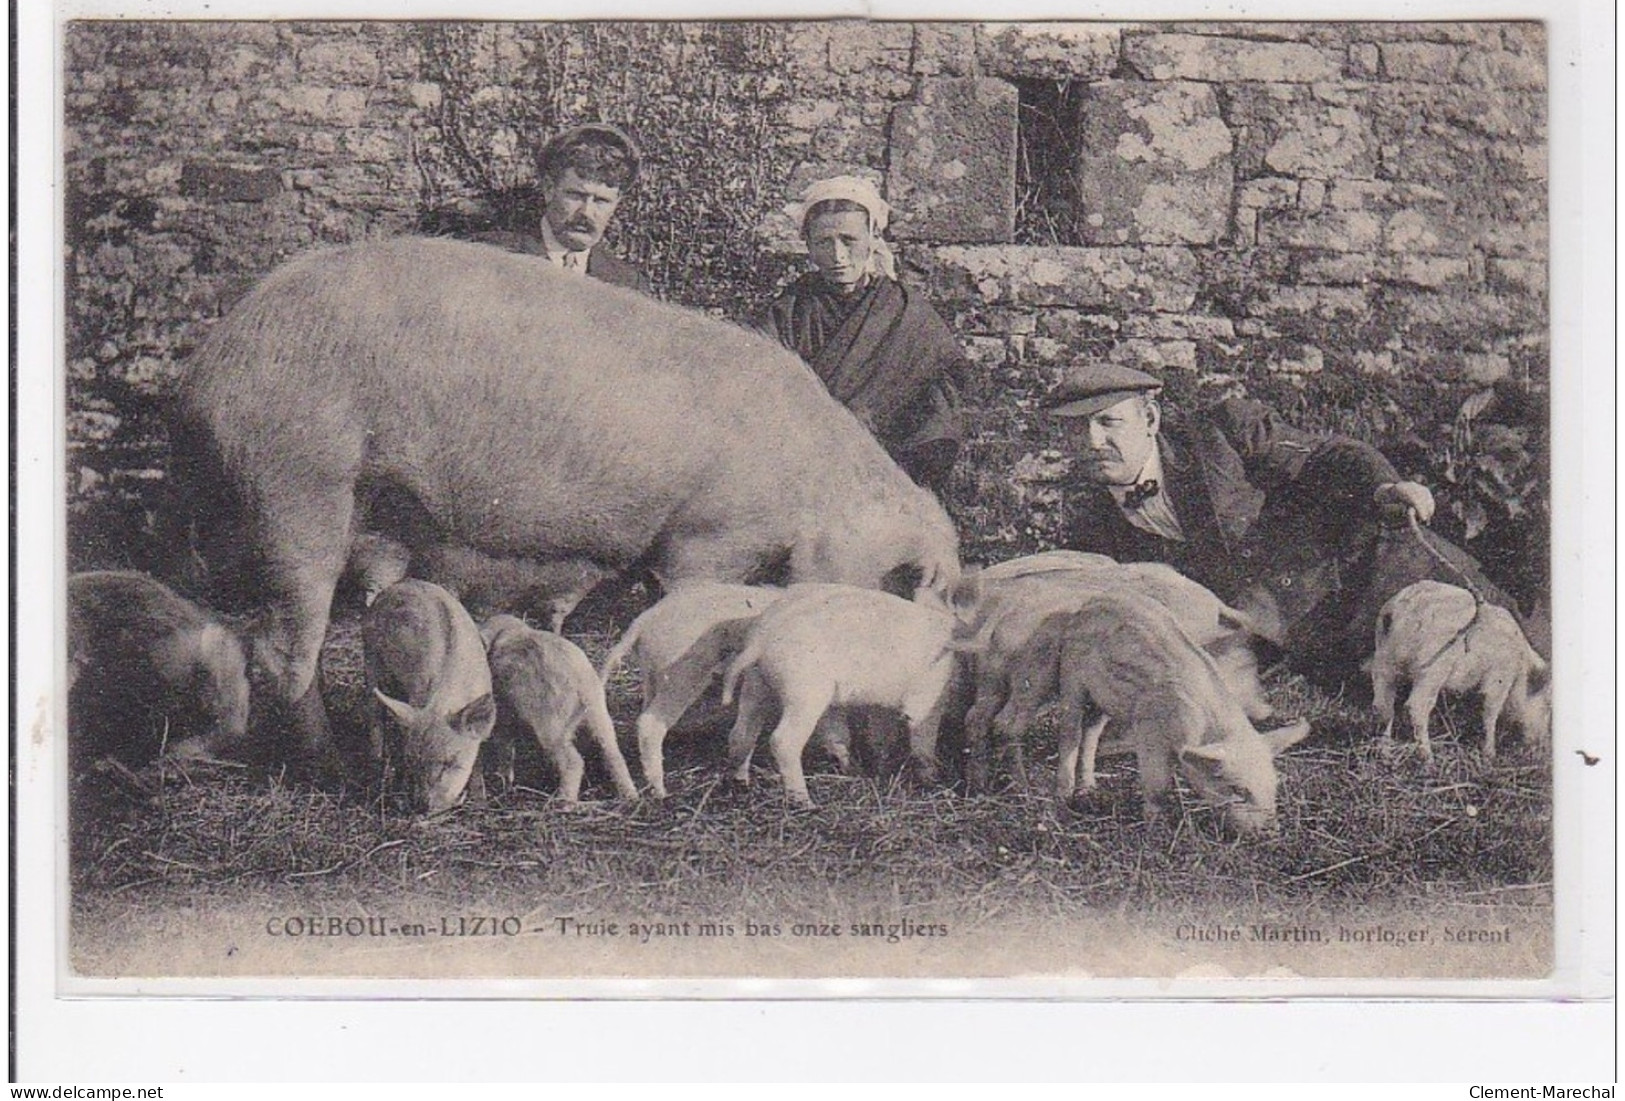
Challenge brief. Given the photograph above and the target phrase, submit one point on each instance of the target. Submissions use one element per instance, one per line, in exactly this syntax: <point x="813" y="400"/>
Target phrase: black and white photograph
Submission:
<point x="789" y="499"/>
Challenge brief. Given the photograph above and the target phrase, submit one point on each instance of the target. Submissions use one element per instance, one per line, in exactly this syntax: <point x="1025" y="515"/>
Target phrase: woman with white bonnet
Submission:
<point x="879" y="346"/>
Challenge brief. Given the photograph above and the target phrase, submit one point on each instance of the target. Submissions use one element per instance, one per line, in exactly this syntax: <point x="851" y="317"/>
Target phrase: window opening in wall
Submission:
<point x="1049" y="204"/>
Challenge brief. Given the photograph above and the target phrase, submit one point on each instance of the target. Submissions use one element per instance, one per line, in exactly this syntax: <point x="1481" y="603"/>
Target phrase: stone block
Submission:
<point x="810" y="114"/>
<point x="425" y="96"/>
<point x="1364" y="60"/>
<point x="1179" y="327"/>
<point x="1268" y="193"/>
<point x="233" y="66"/>
<point x="348" y="107"/>
<point x="1429" y="271"/>
<point x="1337" y="268"/>
<point x="1330" y="230"/>
<point x="1161" y="279"/>
<point x="1457" y="319"/>
<point x="1225" y="60"/>
<point x="218" y="182"/>
<point x="1323" y="143"/>
<point x="857" y="45"/>
<point x="953" y="162"/>
<point x="1049" y="51"/>
<point x="944" y="49"/>
<point x="1327" y="303"/>
<point x="375" y="145"/>
<point x="850" y="57"/>
<point x="1483" y="368"/>
<point x="986" y="351"/>
<point x="1427" y="62"/>
<point x="1499" y="70"/>
<point x="1154" y="165"/>
<point x="1285" y="130"/>
<point x="1522" y="162"/>
<point x="1156" y="356"/>
<point x="1525" y="38"/>
<point x="1483" y="35"/>
<point x="1520" y="240"/>
<point x="1522" y="276"/>
<point x="848" y="137"/>
<point x="339" y="62"/>
<point x="1046" y="350"/>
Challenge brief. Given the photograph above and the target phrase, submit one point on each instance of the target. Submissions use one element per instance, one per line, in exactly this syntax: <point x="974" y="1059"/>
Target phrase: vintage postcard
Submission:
<point x="1153" y="422"/>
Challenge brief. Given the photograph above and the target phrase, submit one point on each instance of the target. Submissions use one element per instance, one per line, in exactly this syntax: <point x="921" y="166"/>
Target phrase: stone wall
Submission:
<point x="1348" y="219"/>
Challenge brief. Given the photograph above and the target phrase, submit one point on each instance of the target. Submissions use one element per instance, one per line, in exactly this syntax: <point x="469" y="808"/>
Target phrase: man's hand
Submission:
<point x="1398" y="498"/>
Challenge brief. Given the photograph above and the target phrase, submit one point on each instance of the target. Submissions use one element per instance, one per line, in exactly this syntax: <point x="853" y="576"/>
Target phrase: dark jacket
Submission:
<point x="885" y="354"/>
<point x="601" y="263"/>
<point x="1280" y="523"/>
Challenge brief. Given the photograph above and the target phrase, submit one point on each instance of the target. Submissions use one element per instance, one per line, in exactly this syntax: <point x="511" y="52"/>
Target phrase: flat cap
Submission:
<point x="594" y="132"/>
<point x="1089" y="387"/>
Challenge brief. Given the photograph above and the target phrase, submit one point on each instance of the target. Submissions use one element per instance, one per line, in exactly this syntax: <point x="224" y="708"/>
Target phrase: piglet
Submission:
<point x="680" y="645"/>
<point x="1439" y="638"/>
<point x="1015" y="601"/>
<point x="546" y="685"/>
<point x="141" y="660"/>
<point x="833" y="646"/>
<point x="1125" y="656"/>
<point x="427" y="670"/>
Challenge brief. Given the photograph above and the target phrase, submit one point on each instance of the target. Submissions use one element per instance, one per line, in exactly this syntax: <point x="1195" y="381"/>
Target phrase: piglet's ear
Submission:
<point x="1290" y="735"/>
<point x="405" y="712"/>
<point x="1209" y="757"/>
<point x="967" y="592"/>
<point x="475" y="719"/>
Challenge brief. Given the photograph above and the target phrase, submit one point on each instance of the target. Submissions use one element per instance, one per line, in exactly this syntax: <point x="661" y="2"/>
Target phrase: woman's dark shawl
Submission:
<point x="884" y="353"/>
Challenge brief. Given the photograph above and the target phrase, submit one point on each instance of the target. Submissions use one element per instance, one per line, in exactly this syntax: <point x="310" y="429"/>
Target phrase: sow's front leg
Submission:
<point x="308" y="543"/>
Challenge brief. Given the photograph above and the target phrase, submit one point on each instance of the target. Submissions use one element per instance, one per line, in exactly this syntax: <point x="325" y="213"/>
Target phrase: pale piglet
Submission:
<point x="1015" y="601"/>
<point x="823" y="647"/>
<point x="426" y="667"/>
<point x="150" y="671"/>
<point x="1125" y="656"/>
<point x="680" y="645"/>
<point x="1439" y="638"/>
<point x="545" y="685"/>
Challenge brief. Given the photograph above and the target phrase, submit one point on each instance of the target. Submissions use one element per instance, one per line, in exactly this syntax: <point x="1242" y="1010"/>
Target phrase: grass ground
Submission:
<point x="180" y="869"/>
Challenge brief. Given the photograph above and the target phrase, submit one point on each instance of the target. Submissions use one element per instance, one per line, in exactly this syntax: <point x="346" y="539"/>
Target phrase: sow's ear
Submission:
<point x="475" y="720"/>
<point x="1284" y="736"/>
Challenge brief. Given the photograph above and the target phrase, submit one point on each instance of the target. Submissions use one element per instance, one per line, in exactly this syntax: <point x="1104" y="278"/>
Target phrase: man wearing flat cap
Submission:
<point x="1307" y="533"/>
<point x="583" y="173"/>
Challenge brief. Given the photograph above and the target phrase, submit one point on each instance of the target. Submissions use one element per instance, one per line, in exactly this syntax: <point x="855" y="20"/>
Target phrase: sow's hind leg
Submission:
<point x="305" y="539"/>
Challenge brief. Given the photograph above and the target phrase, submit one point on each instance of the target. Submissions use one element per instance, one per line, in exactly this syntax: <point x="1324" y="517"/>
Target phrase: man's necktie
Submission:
<point x="1140" y="493"/>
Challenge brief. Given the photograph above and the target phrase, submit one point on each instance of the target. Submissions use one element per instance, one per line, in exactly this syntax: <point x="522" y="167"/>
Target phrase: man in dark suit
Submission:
<point x="1307" y="533"/>
<point x="583" y="173"/>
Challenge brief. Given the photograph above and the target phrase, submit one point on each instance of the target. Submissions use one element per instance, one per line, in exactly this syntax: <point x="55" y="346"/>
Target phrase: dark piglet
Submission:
<point x="150" y="671"/>
<point x="486" y="584"/>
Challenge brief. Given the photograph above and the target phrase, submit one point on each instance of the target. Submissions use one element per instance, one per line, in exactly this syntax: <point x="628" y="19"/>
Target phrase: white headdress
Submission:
<point x="858" y="190"/>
